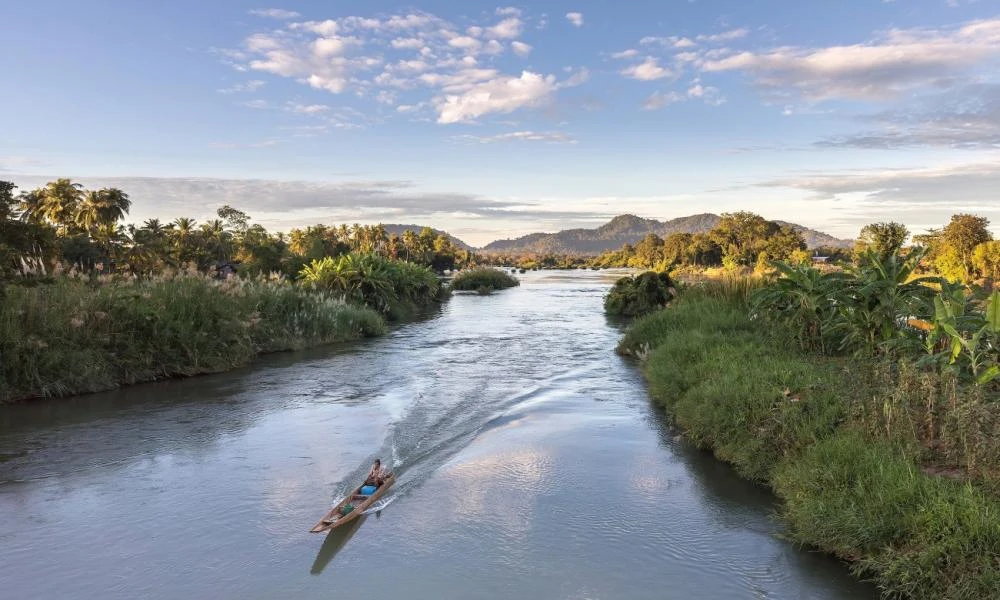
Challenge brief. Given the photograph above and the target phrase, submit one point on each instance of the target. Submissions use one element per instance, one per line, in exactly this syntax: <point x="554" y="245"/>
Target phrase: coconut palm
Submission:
<point x="60" y="200"/>
<point x="183" y="233"/>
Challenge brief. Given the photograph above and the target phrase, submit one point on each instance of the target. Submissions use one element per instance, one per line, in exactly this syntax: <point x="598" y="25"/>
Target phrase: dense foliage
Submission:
<point x="639" y="295"/>
<point x="392" y="287"/>
<point x="483" y="280"/>
<point x="879" y="308"/>
<point x="62" y="222"/>
<point x="740" y="239"/>
<point x="857" y="449"/>
<point x="77" y="335"/>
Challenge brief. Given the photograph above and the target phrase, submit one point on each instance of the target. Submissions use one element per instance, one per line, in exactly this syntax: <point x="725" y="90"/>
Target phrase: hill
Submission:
<point x="629" y="229"/>
<point x="400" y="229"/>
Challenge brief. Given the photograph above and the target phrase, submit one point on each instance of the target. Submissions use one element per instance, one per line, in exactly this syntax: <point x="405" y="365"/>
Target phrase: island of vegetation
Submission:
<point x="484" y="280"/>
<point x="865" y="394"/>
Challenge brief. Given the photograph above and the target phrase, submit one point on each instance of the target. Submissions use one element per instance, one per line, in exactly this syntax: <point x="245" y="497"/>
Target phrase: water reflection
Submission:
<point x="527" y="462"/>
<point x="334" y="543"/>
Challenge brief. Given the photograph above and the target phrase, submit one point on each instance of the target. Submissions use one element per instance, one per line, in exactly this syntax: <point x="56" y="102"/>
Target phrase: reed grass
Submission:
<point x="81" y="335"/>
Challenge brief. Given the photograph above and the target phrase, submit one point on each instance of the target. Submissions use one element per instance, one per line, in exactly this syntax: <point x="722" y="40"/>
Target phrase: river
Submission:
<point x="530" y="464"/>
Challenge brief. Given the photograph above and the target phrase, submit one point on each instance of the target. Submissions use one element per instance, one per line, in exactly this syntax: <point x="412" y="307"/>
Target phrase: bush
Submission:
<point x="483" y="280"/>
<point x="639" y="295"/>
<point x="393" y="287"/>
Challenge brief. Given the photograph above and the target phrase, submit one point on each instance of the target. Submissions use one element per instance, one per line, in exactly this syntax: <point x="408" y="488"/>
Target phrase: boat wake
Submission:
<point x="380" y="504"/>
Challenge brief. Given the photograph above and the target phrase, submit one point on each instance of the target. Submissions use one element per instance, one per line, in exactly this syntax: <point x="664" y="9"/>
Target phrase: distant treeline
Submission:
<point x="64" y="223"/>
<point x="964" y="250"/>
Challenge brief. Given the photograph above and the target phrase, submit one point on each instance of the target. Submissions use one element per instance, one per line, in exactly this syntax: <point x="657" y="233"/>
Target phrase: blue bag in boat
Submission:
<point x="368" y="490"/>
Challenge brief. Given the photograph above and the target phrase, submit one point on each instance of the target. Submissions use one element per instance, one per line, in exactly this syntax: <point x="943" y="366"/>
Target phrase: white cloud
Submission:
<point x="407" y="43"/>
<point x="578" y="78"/>
<point x="327" y="27"/>
<point x="237" y="88"/>
<point x="520" y="48"/>
<point x="630" y="53"/>
<point x="274" y="13"/>
<point x="707" y="94"/>
<point x="503" y="94"/>
<point x="508" y="11"/>
<point x="726" y="36"/>
<point x="417" y="56"/>
<point x="575" y="18"/>
<point x="552" y="137"/>
<point x="659" y="100"/>
<point x="648" y="70"/>
<point x="919" y="197"/>
<point x="507" y="29"/>
<point x="257" y="104"/>
<point x="465" y="42"/>
<point x="306" y="109"/>
<point x="493" y="47"/>
<point x="896" y="63"/>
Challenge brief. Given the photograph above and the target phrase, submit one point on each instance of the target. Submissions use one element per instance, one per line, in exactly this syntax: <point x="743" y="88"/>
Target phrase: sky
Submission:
<point x="492" y="120"/>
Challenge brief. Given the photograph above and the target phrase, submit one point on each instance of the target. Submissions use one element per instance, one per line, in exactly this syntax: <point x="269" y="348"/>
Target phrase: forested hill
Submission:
<point x="400" y="229"/>
<point x="629" y="229"/>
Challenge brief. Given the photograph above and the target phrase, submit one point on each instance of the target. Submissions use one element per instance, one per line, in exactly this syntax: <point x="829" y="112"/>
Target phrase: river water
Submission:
<point x="530" y="464"/>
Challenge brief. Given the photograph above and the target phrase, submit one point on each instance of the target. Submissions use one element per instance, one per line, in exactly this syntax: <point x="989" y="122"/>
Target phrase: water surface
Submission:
<point x="530" y="465"/>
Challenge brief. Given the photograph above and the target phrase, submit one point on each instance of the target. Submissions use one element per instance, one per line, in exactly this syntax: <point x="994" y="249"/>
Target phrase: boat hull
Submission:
<point x="333" y="519"/>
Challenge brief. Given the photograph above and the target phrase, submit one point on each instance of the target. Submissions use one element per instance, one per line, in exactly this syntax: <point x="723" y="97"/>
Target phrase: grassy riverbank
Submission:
<point x="78" y="335"/>
<point x="880" y="463"/>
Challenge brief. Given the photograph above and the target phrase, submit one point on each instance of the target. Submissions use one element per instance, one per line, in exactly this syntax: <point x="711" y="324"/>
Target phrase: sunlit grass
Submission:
<point x="844" y="443"/>
<point x="76" y="335"/>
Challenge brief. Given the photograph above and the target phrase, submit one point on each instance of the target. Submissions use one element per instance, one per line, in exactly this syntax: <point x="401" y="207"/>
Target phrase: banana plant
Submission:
<point x="802" y="298"/>
<point x="970" y="338"/>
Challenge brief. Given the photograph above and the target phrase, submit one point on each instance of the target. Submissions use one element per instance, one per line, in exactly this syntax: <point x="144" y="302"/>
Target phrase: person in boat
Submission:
<point x="377" y="475"/>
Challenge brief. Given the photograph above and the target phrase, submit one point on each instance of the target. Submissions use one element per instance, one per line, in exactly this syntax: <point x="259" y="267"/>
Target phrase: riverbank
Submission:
<point x="880" y="465"/>
<point x="79" y="335"/>
<point x="493" y="396"/>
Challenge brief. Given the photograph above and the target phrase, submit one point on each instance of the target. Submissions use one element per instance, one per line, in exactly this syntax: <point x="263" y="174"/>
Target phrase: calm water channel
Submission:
<point x="530" y="463"/>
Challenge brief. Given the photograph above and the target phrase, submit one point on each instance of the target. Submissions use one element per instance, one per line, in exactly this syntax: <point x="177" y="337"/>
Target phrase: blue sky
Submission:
<point x="494" y="120"/>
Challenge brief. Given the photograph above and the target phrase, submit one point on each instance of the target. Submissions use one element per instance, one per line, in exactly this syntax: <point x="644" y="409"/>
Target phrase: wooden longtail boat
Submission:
<point x="336" y="517"/>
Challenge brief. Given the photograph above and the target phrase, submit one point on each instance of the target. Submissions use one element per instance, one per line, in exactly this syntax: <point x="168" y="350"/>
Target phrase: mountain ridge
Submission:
<point x="629" y="229"/>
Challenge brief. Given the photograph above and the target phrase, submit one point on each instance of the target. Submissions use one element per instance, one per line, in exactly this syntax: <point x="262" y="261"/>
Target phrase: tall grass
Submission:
<point x="74" y="336"/>
<point x="917" y="536"/>
<point x="847" y="444"/>
<point x="483" y="279"/>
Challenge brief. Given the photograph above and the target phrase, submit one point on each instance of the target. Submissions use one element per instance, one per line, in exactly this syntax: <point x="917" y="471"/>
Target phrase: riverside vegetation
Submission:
<point x="868" y="399"/>
<point x="483" y="280"/>
<point x="156" y="301"/>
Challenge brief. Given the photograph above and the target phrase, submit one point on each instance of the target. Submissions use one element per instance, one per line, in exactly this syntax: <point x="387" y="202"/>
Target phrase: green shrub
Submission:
<point x="393" y="287"/>
<point x="639" y="295"/>
<point x="483" y="280"/>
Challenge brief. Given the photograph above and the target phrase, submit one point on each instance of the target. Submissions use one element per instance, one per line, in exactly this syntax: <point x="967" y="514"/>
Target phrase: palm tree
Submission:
<point x="88" y="212"/>
<point x="114" y="205"/>
<point x="217" y="239"/>
<point x="31" y="204"/>
<point x="60" y="199"/>
<point x="183" y="229"/>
